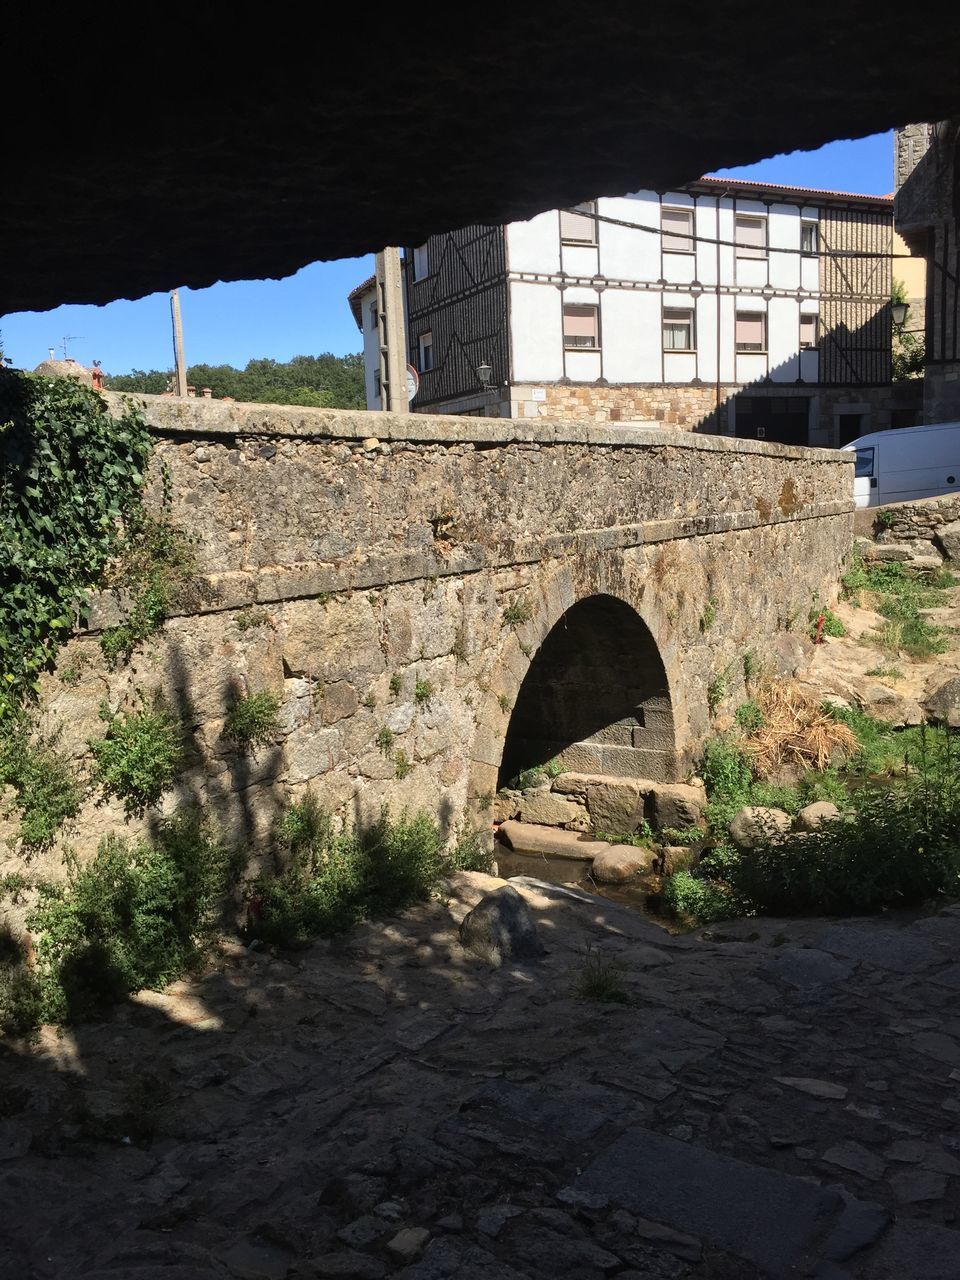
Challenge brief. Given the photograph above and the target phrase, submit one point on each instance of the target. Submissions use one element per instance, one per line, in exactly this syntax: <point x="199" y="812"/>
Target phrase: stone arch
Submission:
<point x="595" y="695"/>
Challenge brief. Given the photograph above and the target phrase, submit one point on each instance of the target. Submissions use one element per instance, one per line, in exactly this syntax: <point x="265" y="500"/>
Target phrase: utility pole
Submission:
<point x="393" y="346"/>
<point x="180" y="368"/>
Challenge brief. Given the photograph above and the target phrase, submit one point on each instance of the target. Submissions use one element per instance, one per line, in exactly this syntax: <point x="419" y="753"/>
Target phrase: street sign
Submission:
<point x="413" y="382"/>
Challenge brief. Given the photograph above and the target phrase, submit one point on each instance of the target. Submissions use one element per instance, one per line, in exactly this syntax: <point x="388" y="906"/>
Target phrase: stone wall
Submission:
<point x="694" y="408"/>
<point x="367" y="582"/>
<point x="932" y="521"/>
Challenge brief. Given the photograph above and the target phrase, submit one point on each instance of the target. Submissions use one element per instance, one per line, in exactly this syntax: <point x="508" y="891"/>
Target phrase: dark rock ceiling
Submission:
<point x="225" y="146"/>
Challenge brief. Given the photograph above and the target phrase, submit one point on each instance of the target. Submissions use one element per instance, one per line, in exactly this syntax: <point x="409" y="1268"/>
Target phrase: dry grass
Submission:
<point x="796" y="732"/>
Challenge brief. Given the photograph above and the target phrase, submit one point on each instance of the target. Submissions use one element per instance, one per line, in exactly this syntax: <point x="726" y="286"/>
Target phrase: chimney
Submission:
<point x="206" y="393"/>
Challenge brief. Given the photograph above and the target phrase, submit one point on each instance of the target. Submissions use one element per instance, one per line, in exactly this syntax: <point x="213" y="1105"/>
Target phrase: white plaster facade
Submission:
<point x="633" y="279"/>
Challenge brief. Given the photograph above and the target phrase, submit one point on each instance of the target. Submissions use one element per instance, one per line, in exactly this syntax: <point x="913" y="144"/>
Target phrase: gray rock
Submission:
<point x="621" y="863"/>
<point x="615" y="806"/>
<point x="884" y="703"/>
<point x="943" y="705"/>
<point x="492" y="1218"/>
<point x="815" y="1088"/>
<point x="852" y="1156"/>
<point x="948" y="538"/>
<point x="915" y="1186"/>
<point x="755" y="825"/>
<point x="406" y="1244"/>
<point x="544" y="808"/>
<point x="810" y="817"/>
<point x="678" y="804"/>
<point x="500" y="927"/>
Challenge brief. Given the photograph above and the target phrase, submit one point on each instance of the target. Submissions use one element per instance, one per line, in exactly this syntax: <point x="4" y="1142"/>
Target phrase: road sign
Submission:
<point x="413" y="382"/>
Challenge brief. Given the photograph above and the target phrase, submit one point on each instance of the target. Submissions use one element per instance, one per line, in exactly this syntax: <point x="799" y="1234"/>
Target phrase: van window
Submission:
<point x="864" y="463"/>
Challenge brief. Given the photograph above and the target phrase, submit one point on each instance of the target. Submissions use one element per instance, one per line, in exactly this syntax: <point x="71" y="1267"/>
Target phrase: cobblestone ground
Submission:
<point x="776" y="1098"/>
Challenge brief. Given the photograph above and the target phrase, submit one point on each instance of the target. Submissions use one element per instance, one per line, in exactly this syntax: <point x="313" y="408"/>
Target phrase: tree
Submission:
<point x="324" y="381"/>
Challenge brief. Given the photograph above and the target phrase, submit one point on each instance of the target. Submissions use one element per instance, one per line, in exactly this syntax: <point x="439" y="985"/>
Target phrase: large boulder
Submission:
<point x="948" y="537"/>
<point x="500" y="927"/>
<point x="810" y="817"/>
<point x="548" y="810"/>
<point x="678" y="804"/>
<point x="943" y="705"/>
<point x="884" y="703"/>
<point x="756" y="824"/>
<point x="615" y="806"/>
<point x="620" y="863"/>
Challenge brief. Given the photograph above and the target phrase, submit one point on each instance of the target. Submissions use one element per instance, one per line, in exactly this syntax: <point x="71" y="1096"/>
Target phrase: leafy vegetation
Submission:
<point x="748" y="715"/>
<point x="139" y="915"/>
<point x="709" y="615"/>
<point x="46" y="790"/>
<point x="333" y="880"/>
<point x="21" y="1004"/>
<point x="516" y="613"/>
<point x="909" y="354"/>
<point x="385" y="740"/>
<point x="422" y="692"/>
<point x="252" y="719"/>
<point x="697" y="900"/>
<point x="139" y="756"/>
<point x="832" y="625"/>
<point x="155" y="563"/>
<point x="899" y="596"/>
<point x="325" y="381"/>
<point x="70" y="477"/>
<point x="402" y="765"/>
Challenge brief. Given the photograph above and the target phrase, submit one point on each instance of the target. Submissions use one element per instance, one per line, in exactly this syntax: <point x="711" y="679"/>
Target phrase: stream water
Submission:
<point x="640" y="894"/>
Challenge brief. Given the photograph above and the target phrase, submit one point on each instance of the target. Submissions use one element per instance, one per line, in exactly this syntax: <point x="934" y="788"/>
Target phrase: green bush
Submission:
<point x="332" y="881"/>
<point x="70" y="477"/>
<point x="516" y="613"/>
<point x="696" y="900"/>
<point x="472" y="852"/>
<point x="422" y="692"/>
<point x="139" y="756"/>
<point x="728" y="778"/>
<point x="20" y="1004"/>
<point x="681" y="835"/>
<point x="749" y="716"/>
<point x="775" y="795"/>
<point x="832" y="626"/>
<point x="252" y="719"/>
<point x="139" y="915"/>
<point x="47" y="792"/>
<point x="898" y="848"/>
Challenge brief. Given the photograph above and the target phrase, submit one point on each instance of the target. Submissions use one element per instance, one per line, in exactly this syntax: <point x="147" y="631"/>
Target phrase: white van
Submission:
<point x="909" y="463"/>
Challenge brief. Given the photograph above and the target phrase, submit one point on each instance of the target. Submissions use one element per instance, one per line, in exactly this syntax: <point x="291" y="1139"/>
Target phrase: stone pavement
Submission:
<point x="776" y="1099"/>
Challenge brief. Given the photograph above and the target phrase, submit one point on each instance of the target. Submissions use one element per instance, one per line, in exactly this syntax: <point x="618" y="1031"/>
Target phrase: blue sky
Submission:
<point x="307" y="313"/>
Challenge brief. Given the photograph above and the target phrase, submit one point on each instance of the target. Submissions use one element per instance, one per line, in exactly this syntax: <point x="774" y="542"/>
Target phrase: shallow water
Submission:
<point x="639" y="895"/>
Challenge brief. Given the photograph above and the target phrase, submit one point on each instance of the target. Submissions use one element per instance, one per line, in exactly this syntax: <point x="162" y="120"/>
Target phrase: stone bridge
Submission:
<point x="457" y="598"/>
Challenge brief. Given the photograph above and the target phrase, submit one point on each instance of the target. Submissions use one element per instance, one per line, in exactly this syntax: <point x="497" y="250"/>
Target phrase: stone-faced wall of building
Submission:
<point x="392" y="591"/>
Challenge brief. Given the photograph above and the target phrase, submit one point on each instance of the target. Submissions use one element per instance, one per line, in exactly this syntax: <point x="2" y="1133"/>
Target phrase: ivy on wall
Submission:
<point x="70" y="477"/>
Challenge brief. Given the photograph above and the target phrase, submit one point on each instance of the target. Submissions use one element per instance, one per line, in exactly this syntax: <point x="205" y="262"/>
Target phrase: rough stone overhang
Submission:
<point x="246" y="146"/>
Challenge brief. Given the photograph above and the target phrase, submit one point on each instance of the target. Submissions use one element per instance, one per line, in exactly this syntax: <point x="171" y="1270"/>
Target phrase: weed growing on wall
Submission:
<point x="139" y="756"/>
<point x="401" y="764"/>
<point x="252" y="719"/>
<point x="70" y="482"/>
<point x="516" y="613"/>
<point x="47" y="793"/>
<point x="422" y="692"/>
<point x="156" y="564"/>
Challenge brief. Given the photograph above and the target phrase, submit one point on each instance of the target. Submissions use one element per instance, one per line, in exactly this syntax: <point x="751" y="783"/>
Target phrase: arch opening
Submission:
<point x="596" y="697"/>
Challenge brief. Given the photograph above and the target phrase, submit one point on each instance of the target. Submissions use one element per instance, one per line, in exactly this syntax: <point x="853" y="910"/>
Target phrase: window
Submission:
<point x="809" y="332"/>
<point x="808" y="237"/>
<point x="581" y="326"/>
<point x="751" y="332"/>
<point x="421" y="263"/>
<point x="425" y="344"/>
<point x="677" y="227"/>
<point x="374" y="316"/>
<point x="678" y="330"/>
<point x="579" y="224"/>
<point x="751" y="237"/>
<point x="863" y="467"/>
<point x="376" y="384"/>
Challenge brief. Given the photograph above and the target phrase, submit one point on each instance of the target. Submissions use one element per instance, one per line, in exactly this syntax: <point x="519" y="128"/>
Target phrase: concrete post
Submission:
<point x="393" y="344"/>
<point x="180" y="368"/>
